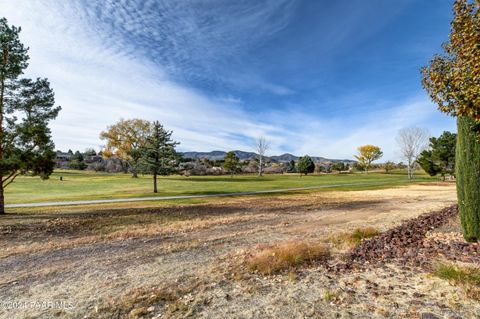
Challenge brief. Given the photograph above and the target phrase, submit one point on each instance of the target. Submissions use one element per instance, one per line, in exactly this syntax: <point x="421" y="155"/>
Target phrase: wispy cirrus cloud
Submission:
<point x="190" y="40"/>
<point x="99" y="77"/>
<point x="188" y="63"/>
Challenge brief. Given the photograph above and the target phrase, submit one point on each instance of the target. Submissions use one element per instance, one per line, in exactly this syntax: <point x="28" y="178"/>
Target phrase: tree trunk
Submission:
<point x="467" y="169"/>
<point x="409" y="170"/>
<point x="260" y="168"/>
<point x="133" y="168"/>
<point x="155" y="190"/>
<point x="2" y="199"/>
<point x="2" y="97"/>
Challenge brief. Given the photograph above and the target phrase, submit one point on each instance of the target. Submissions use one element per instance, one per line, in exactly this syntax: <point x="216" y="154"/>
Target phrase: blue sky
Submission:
<point x="312" y="77"/>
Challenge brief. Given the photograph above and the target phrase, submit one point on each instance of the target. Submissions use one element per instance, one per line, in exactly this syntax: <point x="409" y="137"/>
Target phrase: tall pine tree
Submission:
<point x="158" y="155"/>
<point x="231" y="162"/>
<point x="26" y="107"/>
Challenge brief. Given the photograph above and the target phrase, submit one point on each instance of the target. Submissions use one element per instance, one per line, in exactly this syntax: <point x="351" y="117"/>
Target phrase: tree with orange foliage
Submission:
<point x="367" y="154"/>
<point x="125" y="139"/>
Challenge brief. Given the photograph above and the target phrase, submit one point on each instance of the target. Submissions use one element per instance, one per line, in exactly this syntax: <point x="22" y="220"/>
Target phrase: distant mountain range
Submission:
<point x="219" y="155"/>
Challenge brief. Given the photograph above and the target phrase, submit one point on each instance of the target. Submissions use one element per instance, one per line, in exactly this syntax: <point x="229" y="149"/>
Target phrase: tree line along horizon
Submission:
<point x="435" y="158"/>
<point x="452" y="80"/>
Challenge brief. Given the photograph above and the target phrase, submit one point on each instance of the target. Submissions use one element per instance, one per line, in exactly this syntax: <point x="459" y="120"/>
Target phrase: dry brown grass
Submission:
<point x="288" y="256"/>
<point x="127" y="231"/>
<point x="142" y="302"/>
<point x="350" y="240"/>
<point x="226" y="228"/>
<point x="468" y="277"/>
<point x="362" y="233"/>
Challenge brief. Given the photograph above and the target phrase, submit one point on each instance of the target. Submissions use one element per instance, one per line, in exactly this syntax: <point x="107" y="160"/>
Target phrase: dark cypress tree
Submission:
<point x="467" y="169"/>
<point x="452" y="81"/>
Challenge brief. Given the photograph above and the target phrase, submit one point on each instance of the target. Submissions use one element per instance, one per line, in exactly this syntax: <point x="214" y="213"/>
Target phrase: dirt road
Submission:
<point x="70" y="266"/>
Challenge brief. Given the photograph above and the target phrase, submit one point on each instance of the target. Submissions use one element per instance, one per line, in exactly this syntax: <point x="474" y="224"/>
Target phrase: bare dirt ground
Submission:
<point x="183" y="261"/>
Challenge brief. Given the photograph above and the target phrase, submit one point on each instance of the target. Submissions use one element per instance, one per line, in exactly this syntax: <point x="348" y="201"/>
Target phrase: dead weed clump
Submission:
<point x="354" y="238"/>
<point x="362" y="233"/>
<point x="288" y="256"/>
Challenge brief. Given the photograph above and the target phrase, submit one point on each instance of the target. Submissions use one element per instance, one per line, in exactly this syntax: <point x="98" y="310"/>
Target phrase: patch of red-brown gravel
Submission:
<point x="408" y="244"/>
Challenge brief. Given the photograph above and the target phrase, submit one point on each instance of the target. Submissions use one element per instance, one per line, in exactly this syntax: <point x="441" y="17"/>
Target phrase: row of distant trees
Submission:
<point x="436" y="155"/>
<point x="91" y="160"/>
<point x="126" y="139"/>
<point x="303" y="166"/>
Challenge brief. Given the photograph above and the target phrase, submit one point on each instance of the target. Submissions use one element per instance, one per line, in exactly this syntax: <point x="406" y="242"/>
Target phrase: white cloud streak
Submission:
<point x="99" y="77"/>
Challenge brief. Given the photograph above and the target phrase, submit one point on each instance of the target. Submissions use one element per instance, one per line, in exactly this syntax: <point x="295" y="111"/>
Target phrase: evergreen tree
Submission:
<point x="78" y="156"/>
<point x="26" y="108"/>
<point x="231" y="162"/>
<point x="452" y="81"/>
<point x="158" y="155"/>
<point x="467" y="168"/>
<point x="77" y="161"/>
<point x="339" y="166"/>
<point x="90" y="152"/>
<point x="389" y="166"/>
<point x="305" y="165"/>
<point x="291" y="167"/>
<point x="443" y="152"/>
<point x="428" y="164"/>
<point x="440" y="159"/>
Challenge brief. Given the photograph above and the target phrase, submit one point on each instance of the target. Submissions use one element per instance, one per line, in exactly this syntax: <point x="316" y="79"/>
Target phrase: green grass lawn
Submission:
<point x="82" y="185"/>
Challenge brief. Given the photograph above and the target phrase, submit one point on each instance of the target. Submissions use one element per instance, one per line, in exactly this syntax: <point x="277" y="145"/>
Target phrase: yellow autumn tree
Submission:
<point x="367" y="154"/>
<point x="125" y="140"/>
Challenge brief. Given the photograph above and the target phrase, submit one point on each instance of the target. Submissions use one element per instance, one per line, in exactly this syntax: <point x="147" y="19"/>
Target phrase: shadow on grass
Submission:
<point x="63" y="223"/>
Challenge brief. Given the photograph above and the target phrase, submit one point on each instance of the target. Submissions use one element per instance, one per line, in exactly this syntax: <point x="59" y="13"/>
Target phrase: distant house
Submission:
<point x="93" y="159"/>
<point x="62" y="159"/>
<point x="62" y="156"/>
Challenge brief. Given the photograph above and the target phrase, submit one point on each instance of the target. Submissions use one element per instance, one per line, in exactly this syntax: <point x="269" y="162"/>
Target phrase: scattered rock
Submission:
<point x="413" y="243"/>
<point x="429" y="315"/>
